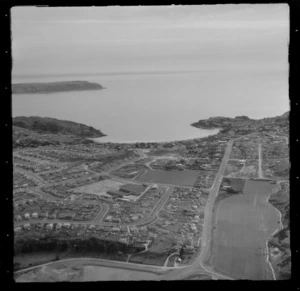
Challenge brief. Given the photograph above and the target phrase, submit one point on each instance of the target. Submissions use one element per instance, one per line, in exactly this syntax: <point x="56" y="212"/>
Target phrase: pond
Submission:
<point x="185" y="178"/>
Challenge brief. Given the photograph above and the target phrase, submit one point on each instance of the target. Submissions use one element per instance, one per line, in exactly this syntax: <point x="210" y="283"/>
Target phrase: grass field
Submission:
<point x="99" y="188"/>
<point x="243" y="224"/>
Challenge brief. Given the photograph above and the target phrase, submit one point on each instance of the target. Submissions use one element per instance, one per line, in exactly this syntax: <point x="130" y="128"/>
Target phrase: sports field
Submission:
<point x="243" y="224"/>
<point x="99" y="188"/>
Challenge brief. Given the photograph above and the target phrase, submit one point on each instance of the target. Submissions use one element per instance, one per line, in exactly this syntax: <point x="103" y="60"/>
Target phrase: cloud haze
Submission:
<point x="111" y="39"/>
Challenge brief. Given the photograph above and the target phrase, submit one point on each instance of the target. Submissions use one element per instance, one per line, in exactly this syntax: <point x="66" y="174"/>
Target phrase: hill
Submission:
<point x="34" y="130"/>
<point x="243" y="124"/>
<point x="52" y="87"/>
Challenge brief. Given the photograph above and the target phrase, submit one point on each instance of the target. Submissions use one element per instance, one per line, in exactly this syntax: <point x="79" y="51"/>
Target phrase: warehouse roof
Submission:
<point x="134" y="189"/>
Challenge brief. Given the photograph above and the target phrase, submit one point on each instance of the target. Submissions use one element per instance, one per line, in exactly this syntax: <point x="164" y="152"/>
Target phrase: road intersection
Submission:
<point x="200" y="264"/>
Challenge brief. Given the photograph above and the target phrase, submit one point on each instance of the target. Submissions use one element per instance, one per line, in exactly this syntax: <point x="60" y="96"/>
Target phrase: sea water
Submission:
<point x="158" y="106"/>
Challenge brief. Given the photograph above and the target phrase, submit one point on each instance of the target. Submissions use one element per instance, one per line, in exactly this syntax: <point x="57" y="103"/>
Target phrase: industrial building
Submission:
<point x="133" y="189"/>
<point x="128" y="189"/>
<point x="116" y="193"/>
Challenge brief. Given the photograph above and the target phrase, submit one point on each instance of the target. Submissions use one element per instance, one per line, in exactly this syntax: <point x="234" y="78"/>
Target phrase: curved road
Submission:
<point x="199" y="265"/>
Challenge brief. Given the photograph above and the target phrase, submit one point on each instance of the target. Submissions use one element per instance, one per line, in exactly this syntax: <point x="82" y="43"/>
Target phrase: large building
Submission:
<point x="133" y="189"/>
<point x="128" y="189"/>
<point x="116" y="193"/>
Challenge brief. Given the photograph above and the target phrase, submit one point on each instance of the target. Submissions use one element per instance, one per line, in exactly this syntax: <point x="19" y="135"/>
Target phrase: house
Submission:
<point x="134" y="217"/>
<point x="123" y="240"/>
<point x="27" y="216"/>
<point x="35" y="215"/>
<point x="132" y="189"/>
<point x="66" y="215"/>
<point x="52" y="216"/>
<point x="43" y="215"/>
<point x="49" y="226"/>
<point x="189" y="248"/>
<point x="17" y="229"/>
<point x="152" y="235"/>
<point x="108" y="218"/>
<point x="26" y="226"/>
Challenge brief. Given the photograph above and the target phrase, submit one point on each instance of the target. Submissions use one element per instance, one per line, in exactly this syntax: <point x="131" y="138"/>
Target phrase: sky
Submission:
<point x="64" y="40"/>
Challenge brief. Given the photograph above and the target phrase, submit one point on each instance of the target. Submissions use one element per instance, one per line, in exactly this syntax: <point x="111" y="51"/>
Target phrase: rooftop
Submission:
<point x="133" y="189"/>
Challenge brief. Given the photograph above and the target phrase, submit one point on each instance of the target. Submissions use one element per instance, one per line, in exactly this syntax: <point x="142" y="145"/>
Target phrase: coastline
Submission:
<point x="272" y="235"/>
<point x="209" y="259"/>
<point x="269" y="238"/>
<point x="213" y="131"/>
<point x="54" y="87"/>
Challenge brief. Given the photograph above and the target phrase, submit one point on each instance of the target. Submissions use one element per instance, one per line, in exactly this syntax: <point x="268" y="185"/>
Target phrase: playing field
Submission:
<point x="99" y="188"/>
<point x="243" y="224"/>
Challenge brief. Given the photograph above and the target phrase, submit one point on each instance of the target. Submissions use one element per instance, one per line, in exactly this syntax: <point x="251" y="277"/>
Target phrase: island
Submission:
<point x="54" y="87"/>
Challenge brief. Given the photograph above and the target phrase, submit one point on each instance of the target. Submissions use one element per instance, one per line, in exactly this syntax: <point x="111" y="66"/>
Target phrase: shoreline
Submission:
<point x="272" y="235"/>
<point x="53" y="87"/>
<point x="208" y="259"/>
<point x="268" y="261"/>
<point x="156" y="141"/>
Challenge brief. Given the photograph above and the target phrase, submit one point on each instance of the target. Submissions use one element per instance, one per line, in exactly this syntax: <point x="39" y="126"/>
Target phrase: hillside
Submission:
<point x="36" y="130"/>
<point x="52" y="87"/>
<point x="243" y="124"/>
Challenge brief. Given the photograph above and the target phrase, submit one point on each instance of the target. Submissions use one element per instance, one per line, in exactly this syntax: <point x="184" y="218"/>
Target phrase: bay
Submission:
<point x="148" y="107"/>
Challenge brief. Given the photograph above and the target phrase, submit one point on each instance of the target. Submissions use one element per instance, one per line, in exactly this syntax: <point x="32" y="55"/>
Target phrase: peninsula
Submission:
<point x="53" y="87"/>
<point x="37" y="131"/>
<point x="243" y="124"/>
